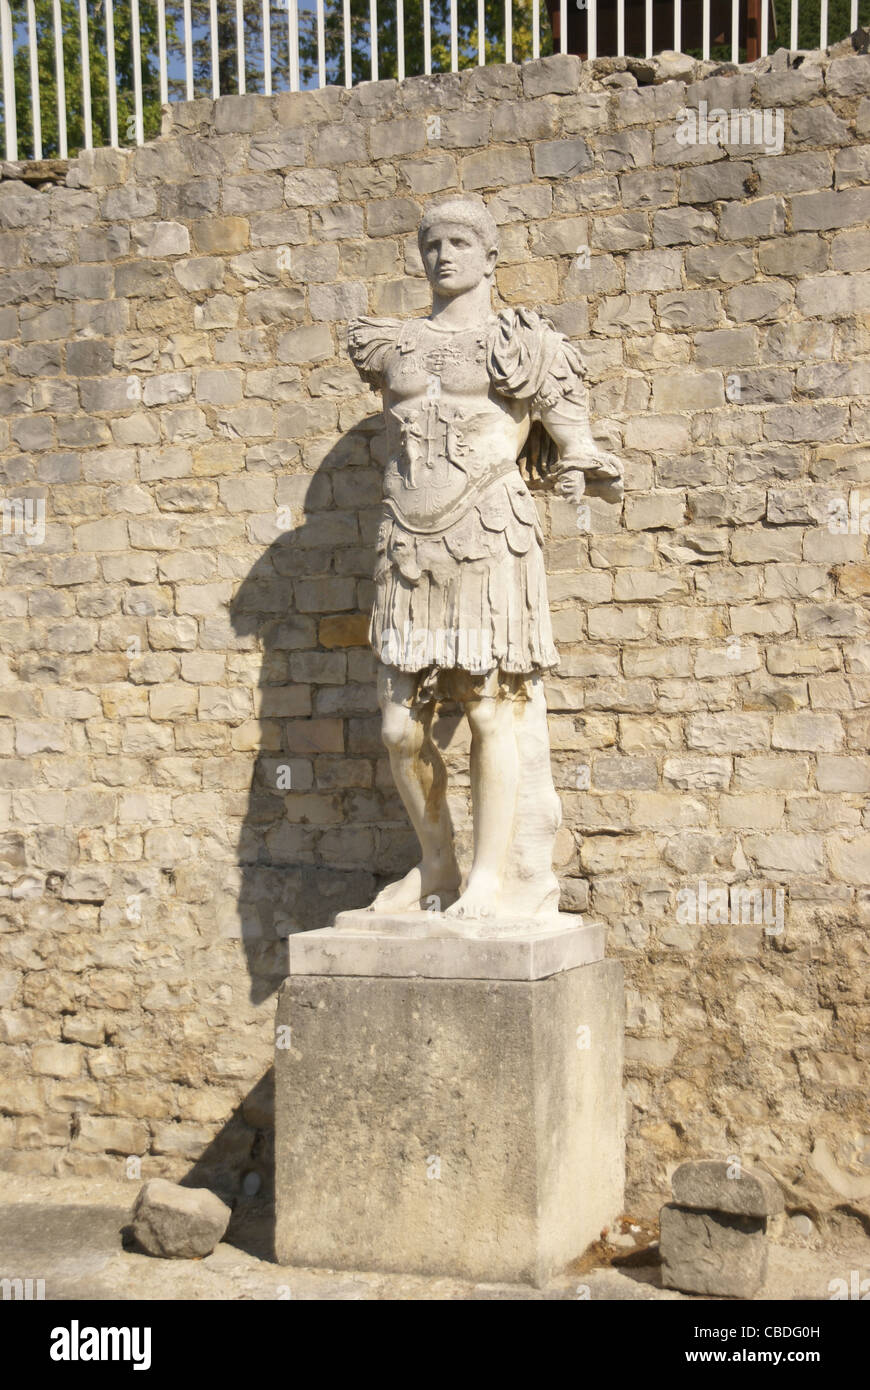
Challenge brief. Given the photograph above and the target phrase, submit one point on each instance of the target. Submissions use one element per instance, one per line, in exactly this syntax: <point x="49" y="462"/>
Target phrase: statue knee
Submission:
<point x="485" y="716"/>
<point x="396" y="729"/>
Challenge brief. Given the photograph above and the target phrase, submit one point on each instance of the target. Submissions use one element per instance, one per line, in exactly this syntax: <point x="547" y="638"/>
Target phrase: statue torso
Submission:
<point x="449" y="434"/>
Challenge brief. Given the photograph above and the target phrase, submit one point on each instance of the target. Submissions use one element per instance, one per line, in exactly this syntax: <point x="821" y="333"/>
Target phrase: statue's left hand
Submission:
<point x="606" y="474"/>
<point x="603" y="471"/>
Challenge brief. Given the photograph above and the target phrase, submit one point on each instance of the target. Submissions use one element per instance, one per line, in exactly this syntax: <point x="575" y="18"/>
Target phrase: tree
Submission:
<point x="98" y="68"/>
<point x="413" y="25"/>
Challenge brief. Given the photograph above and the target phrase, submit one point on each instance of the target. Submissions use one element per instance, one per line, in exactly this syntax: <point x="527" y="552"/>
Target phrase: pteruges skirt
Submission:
<point x="471" y="597"/>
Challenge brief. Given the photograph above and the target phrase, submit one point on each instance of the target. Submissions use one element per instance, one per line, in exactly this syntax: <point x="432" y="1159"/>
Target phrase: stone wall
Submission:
<point x="188" y="636"/>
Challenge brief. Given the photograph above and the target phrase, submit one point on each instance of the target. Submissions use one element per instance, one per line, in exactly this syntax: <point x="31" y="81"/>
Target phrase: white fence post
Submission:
<point x="427" y="37"/>
<point x="36" y="114"/>
<point x="240" y="47"/>
<point x="161" y="50"/>
<point x="85" y="55"/>
<point x="60" y="81"/>
<point x="137" y="72"/>
<point x="293" y="41"/>
<point x="321" y="45"/>
<point x="215" y="49"/>
<point x="267" y="49"/>
<point x="9" y="114"/>
<point x="110" y="73"/>
<point x="188" y="52"/>
<point x="765" y="27"/>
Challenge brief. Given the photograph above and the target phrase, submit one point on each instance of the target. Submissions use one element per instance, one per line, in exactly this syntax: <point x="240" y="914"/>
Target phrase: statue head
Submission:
<point x="458" y="241"/>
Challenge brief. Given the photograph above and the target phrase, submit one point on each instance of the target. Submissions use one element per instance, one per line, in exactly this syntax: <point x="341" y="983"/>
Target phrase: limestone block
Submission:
<point x="671" y="226"/>
<point x="713" y="1253"/>
<point x="847" y="77"/>
<point x="714" y="1185"/>
<point x="457" y="1126"/>
<point x="559" y="73"/>
<point x="161" y="239"/>
<point x="817" y="125"/>
<point x="822" y="211"/>
<point x="182" y="1223"/>
<point x="493" y="168"/>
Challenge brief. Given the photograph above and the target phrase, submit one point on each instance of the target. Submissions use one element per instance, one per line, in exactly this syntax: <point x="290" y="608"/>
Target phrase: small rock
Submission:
<point x="705" y="1185"/>
<point x="644" y="69"/>
<point x="801" y="1224"/>
<point x="714" y="1253"/>
<point x="674" y="67"/>
<point x="667" y="66"/>
<point x="180" y="1223"/>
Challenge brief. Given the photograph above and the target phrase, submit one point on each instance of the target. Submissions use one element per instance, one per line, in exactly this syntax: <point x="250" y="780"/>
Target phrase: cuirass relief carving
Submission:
<point x="448" y="432"/>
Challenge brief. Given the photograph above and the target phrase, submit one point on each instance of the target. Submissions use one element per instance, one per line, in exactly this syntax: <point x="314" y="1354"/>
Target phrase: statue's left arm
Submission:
<point x="528" y="359"/>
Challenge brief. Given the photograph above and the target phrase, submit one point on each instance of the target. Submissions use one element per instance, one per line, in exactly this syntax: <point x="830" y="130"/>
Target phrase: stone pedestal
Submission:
<point x="448" y="1104"/>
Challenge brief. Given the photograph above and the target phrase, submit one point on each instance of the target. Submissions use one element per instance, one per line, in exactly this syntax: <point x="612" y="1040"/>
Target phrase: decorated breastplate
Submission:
<point x="449" y="436"/>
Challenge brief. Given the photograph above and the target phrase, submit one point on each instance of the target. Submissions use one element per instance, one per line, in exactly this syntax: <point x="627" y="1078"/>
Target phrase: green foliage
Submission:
<point x="467" y="36"/>
<point x="73" y="75"/>
<point x="809" y="19"/>
<point x="809" y="15"/>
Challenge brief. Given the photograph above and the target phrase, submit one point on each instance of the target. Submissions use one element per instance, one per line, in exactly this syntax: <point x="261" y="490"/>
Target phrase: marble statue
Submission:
<point x="460" y="610"/>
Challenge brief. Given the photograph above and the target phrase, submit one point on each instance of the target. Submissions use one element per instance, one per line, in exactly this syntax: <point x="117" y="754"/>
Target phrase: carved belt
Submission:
<point x="462" y="507"/>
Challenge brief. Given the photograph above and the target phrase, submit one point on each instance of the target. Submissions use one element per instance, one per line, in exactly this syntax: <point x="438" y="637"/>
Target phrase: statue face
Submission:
<point x="455" y="259"/>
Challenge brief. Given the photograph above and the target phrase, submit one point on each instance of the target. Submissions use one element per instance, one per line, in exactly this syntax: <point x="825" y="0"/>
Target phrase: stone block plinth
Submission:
<point x="427" y="1123"/>
<point x="714" y="1233"/>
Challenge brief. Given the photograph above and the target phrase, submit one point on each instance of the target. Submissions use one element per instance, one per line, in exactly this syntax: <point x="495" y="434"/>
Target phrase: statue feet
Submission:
<point x="480" y="898"/>
<point x="428" y="886"/>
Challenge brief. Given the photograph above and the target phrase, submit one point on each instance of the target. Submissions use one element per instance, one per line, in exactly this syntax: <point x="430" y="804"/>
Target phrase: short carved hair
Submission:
<point x="464" y="212"/>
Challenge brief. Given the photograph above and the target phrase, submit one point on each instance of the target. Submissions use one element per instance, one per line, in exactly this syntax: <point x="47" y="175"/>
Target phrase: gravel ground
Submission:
<point x="68" y="1231"/>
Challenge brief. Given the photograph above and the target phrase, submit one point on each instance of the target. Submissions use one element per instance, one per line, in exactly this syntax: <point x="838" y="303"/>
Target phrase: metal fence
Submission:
<point x="75" y="73"/>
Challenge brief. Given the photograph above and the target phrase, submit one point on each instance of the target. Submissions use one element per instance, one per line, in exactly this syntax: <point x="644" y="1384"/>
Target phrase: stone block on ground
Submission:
<point x="713" y="1185"/>
<point x="181" y="1223"/>
<point x="712" y="1252"/>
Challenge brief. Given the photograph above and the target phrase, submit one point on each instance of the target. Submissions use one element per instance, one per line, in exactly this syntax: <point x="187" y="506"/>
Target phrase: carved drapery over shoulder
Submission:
<point x="529" y="360"/>
<point x="369" y="340"/>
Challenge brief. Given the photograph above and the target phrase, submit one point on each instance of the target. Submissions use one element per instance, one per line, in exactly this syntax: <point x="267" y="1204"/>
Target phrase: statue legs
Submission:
<point x="421" y="780"/>
<point x="493" y="799"/>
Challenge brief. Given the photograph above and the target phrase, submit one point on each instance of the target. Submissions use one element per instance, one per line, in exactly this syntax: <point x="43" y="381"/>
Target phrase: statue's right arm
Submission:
<point x="369" y="341"/>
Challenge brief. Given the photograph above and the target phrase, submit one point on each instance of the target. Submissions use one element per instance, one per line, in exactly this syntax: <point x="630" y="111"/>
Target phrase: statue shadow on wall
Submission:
<point x="323" y="828"/>
<point x="320" y="827"/>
